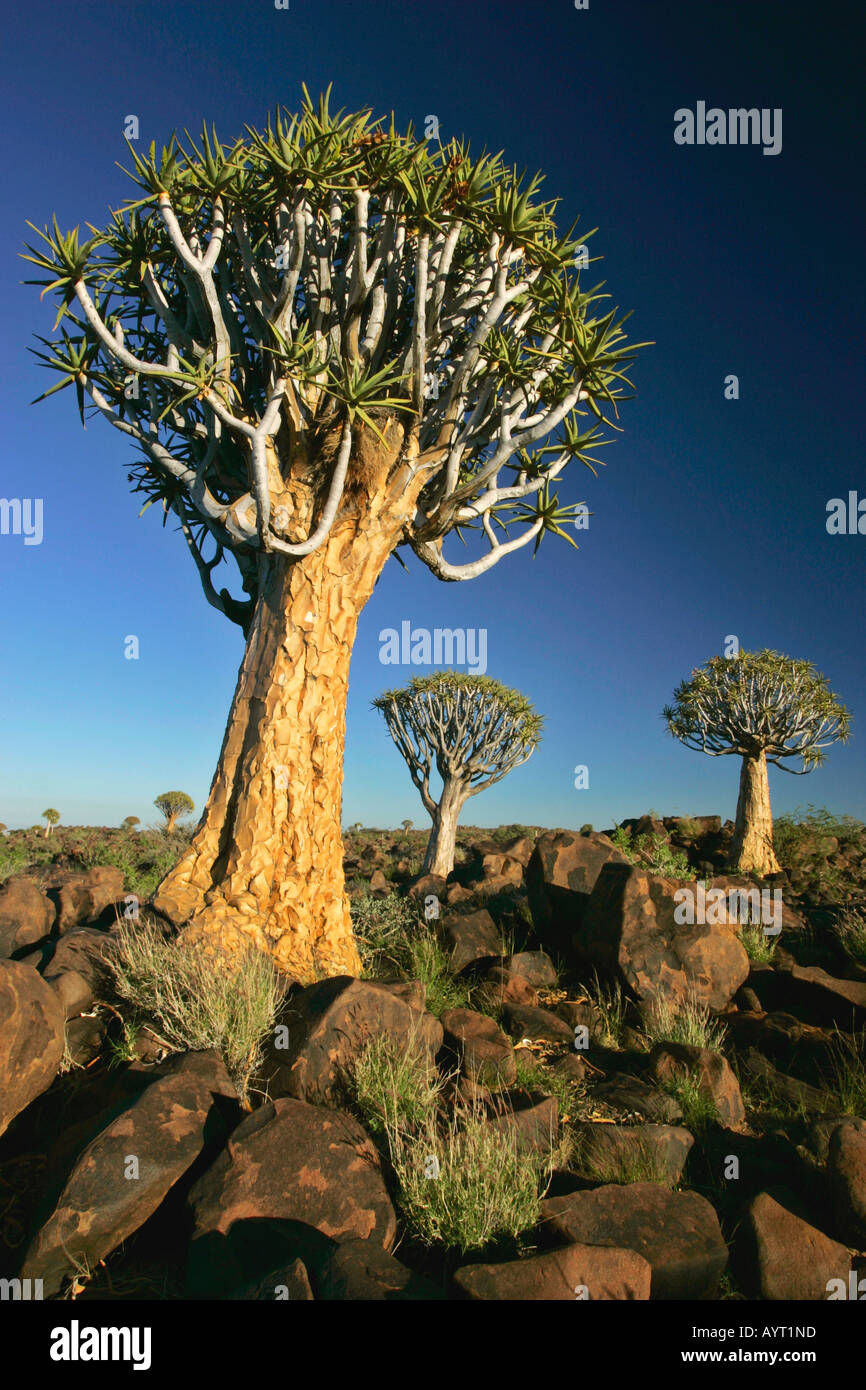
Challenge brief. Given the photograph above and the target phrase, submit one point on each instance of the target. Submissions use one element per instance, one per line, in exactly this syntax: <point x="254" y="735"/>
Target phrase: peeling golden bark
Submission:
<point x="752" y="847"/>
<point x="266" y="863"/>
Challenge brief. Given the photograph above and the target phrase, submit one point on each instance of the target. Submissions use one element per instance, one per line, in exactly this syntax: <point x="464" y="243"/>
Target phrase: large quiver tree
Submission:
<point x="765" y="708"/>
<point x="472" y="729"/>
<point x="327" y="341"/>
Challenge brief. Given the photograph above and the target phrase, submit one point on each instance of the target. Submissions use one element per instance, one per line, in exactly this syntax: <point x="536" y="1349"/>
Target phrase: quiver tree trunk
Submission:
<point x="439" y="858"/>
<point x="266" y="863"/>
<point x="752" y="848"/>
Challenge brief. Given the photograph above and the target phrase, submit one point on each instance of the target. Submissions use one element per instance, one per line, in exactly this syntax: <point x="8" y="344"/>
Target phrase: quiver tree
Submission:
<point x="765" y="708"/>
<point x="472" y="730"/>
<point x="328" y="341"/>
<point x="52" y="817"/>
<point x="172" y="805"/>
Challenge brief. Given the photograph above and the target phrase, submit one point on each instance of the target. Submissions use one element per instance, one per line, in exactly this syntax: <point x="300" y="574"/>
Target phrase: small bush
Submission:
<point x="847" y="1083"/>
<point x="612" y="1005"/>
<point x="757" y="946"/>
<point x="465" y="1184"/>
<point x="429" y="962"/>
<point x="381" y="927"/>
<point x="394" y="1086"/>
<point x="570" y="1095"/>
<point x="684" y="1021"/>
<point x="195" y="998"/>
<point x="851" y="933"/>
<point x="637" y="1162"/>
<point x="698" y="1107"/>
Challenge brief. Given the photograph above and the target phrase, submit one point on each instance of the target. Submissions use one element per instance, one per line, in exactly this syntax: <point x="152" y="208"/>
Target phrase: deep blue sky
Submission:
<point x="709" y="518"/>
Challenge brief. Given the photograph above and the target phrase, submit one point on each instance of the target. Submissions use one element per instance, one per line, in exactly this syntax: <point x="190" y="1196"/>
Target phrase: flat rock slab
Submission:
<point x="633" y="1096"/>
<point x="584" y="1272"/>
<point x="32" y="1033"/>
<point x="124" y="1173"/>
<point x="677" y="1232"/>
<point x="295" y="1163"/>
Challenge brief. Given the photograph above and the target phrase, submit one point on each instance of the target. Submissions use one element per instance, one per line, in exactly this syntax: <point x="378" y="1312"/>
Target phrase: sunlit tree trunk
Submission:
<point x="752" y="848"/>
<point x="439" y="858"/>
<point x="266" y="863"/>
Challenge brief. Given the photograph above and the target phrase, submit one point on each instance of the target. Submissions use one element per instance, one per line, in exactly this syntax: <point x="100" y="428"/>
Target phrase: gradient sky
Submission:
<point x="709" y="517"/>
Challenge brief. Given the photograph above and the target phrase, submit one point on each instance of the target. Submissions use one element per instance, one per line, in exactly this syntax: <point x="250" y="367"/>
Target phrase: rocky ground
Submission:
<point x="546" y="1086"/>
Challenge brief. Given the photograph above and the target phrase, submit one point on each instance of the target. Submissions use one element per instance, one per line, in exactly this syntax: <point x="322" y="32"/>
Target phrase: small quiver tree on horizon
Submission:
<point x="326" y="340"/>
<point x="172" y="805"/>
<point x="765" y="708"/>
<point x="472" y="729"/>
<point x="52" y="817"/>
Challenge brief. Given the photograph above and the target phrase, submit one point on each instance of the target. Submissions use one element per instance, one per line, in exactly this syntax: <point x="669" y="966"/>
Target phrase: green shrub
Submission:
<point x="194" y="998"/>
<point x="463" y="1184"/>
<point x="612" y="1005"/>
<point x="697" y="1104"/>
<point x="851" y="933"/>
<point x="757" y="946"/>
<point x="429" y="963"/>
<point x="394" y="1086"/>
<point x="635" y="1162"/>
<point x="381" y="928"/>
<point x="683" y="1021"/>
<point x="570" y="1095"/>
<point x="847" y="1082"/>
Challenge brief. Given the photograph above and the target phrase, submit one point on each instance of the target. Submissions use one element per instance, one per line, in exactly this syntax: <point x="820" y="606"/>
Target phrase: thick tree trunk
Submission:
<point x="266" y="863"/>
<point x="752" y="848"/>
<point x="439" y="858"/>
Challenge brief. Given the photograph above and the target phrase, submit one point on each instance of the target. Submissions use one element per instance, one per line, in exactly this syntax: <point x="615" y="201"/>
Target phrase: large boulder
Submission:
<point x="577" y="1272"/>
<point x="783" y="1257"/>
<point x="26" y="915"/>
<point x="320" y="1032"/>
<point x="562" y="872"/>
<point x="123" y="1174"/>
<point x="629" y="932"/>
<point x="846" y="1174"/>
<point x="32" y="1033"/>
<point x="311" y="1169"/>
<point x="85" y="898"/>
<point x="677" y="1232"/>
<point x="470" y="938"/>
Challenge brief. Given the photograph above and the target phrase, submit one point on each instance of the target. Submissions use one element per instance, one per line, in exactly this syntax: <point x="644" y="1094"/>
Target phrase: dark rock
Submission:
<point x="536" y="1024"/>
<point x="296" y="1163"/>
<point x="846" y="1174"/>
<point x="32" y="1032"/>
<point x="612" y="1153"/>
<point x="716" y="1078"/>
<point x="561" y="874"/>
<point x="361" y="1271"/>
<point x="85" y="898"/>
<point x="320" y="1031"/>
<point x="485" y="1054"/>
<point x="84" y="1039"/>
<point x="499" y="987"/>
<point x="590" y="1272"/>
<point x="26" y="915"/>
<point x="125" y="1172"/>
<point x="289" y="1283"/>
<point x="782" y="1257"/>
<point x="73" y="991"/>
<point x="630" y="933"/>
<point x="677" y="1232"/>
<point x="635" y="1097"/>
<point x="534" y="966"/>
<point x="470" y="938"/>
<point x="533" y="1120"/>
